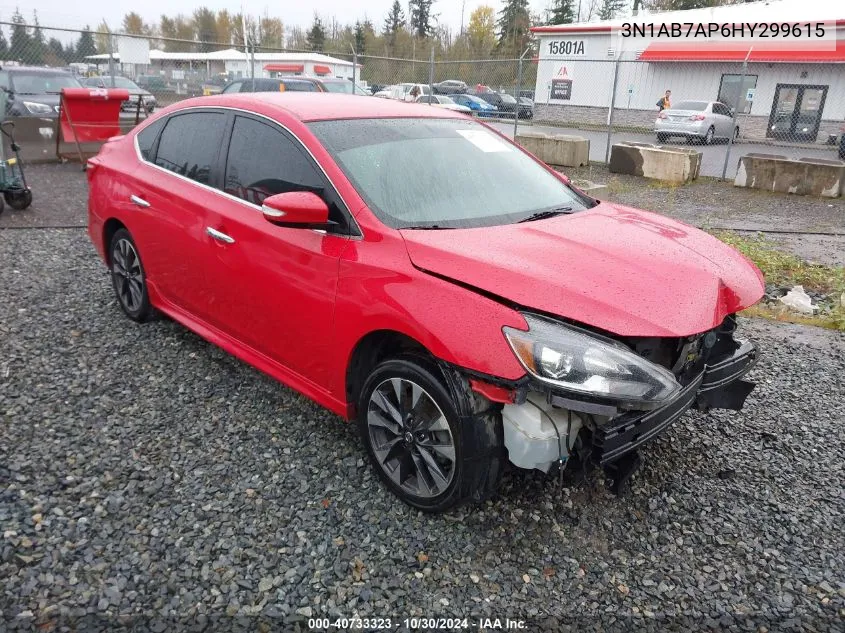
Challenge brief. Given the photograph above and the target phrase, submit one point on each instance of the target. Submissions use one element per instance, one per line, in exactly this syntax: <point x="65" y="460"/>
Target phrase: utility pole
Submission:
<point x="463" y="7"/>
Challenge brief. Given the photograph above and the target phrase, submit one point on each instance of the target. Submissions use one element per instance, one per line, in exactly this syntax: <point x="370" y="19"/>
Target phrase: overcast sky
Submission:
<point x="292" y="12"/>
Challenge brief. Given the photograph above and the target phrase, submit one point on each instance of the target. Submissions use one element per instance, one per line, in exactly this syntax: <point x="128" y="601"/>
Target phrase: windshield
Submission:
<point x="41" y="83"/>
<point x="339" y="86"/>
<point x="121" y="82"/>
<point x="446" y="100"/>
<point x="507" y="99"/>
<point x="697" y="106"/>
<point x="446" y="173"/>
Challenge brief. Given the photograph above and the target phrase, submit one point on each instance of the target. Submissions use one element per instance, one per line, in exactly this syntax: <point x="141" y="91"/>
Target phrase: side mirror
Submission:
<point x="296" y="209"/>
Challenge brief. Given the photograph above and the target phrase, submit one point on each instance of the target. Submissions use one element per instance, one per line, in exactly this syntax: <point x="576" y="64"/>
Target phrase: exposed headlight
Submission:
<point x="37" y="108"/>
<point x="582" y="363"/>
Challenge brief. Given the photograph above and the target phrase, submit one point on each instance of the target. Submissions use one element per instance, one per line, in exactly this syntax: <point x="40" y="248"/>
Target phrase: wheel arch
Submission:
<point x="373" y="348"/>
<point x="110" y="227"/>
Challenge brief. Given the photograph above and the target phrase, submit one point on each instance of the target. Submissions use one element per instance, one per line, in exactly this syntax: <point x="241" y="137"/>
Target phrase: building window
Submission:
<point x="730" y="89"/>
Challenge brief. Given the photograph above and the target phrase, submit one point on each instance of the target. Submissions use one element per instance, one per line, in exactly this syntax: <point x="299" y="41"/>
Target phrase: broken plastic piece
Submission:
<point x="798" y="300"/>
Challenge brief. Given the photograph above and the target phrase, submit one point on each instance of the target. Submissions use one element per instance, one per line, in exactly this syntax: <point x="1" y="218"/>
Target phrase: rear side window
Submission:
<point x="263" y="162"/>
<point x="147" y="137"/>
<point x="235" y="87"/>
<point x="189" y="144"/>
<point x="300" y="86"/>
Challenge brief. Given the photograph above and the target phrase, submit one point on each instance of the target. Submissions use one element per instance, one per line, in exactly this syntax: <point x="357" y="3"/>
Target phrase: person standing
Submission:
<point x="664" y="103"/>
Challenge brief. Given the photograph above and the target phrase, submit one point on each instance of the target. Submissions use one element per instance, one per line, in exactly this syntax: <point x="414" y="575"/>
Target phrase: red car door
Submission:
<point x="276" y="285"/>
<point x="171" y="193"/>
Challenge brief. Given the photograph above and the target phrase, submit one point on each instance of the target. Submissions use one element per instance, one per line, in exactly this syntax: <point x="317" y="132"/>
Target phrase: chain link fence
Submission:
<point x="799" y="106"/>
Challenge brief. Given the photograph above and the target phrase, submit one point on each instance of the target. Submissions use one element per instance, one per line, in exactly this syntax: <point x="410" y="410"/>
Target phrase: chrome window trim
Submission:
<point x="355" y="225"/>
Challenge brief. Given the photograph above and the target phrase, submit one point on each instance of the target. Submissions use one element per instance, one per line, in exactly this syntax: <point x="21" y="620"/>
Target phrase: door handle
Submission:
<point x="217" y="235"/>
<point x="140" y="202"/>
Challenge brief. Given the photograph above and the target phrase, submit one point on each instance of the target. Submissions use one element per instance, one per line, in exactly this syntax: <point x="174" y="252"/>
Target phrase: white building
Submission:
<point x="235" y="63"/>
<point x="794" y="89"/>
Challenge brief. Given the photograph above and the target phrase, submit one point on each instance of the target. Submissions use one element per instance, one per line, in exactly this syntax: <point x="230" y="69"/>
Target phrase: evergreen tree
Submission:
<point x="394" y="22"/>
<point x="4" y="45"/>
<point x="360" y="39"/>
<point x="609" y="8"/>
<point x="513" y="26"/>
<point x="56" y="49"/>
<point x="316" y="37"/>
<point x="20" y="43"/>
<point x="562" y="12"/>
<point x="37" y="44"/>
<point x="421" y="17"/>
<point x="85" y="46"/>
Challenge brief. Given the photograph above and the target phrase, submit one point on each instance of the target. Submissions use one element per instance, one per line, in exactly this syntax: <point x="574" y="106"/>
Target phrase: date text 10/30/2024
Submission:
<point x="427" y="624"/>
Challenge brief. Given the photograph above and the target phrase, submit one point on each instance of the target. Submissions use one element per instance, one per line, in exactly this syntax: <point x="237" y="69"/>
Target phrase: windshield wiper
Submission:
<point x="548" y="213"/>
<point x="426" y="227"/>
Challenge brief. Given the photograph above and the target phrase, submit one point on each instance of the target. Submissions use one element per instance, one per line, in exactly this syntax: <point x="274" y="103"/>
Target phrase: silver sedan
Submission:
<point x="704" y="121"/>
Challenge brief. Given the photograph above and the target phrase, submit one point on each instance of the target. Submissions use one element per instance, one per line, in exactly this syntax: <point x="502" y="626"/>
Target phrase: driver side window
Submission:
<point x="262" y="161"/>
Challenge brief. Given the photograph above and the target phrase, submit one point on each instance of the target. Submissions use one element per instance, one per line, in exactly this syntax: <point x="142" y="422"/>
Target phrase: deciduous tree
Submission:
<point x="481" y="31"/>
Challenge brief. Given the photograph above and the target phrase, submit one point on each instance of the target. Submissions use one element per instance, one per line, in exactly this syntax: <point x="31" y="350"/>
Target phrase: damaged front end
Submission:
<point x="599" y="399"/>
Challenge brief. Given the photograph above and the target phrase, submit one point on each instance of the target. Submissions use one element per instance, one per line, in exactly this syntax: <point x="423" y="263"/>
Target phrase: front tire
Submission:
<point x="421" y="442"/>
<point x="128" y="277"/>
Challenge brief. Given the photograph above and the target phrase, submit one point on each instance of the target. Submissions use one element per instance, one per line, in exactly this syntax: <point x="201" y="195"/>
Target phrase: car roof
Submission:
<point x="320" y="106"/>
<point x="35" y="69"/>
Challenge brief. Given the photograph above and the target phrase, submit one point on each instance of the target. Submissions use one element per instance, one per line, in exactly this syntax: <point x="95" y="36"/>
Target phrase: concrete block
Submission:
<point x="556" y="149"/>
<point x="805" y="176"/>
<point x="659" y="162"/>
<point x="592" y="189"/>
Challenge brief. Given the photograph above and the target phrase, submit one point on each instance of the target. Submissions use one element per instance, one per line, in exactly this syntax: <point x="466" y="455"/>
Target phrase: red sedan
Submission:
<point x="412" y="269"/>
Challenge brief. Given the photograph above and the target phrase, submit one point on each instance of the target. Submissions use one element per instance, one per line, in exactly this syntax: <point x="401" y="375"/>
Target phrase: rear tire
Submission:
<point x="427" y="437"/>
<point x="128" y="277"/>
<point x="709" y="135"/>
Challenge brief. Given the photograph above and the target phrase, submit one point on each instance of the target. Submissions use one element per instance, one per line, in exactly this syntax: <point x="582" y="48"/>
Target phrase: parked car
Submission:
<point x="337" y="85"/>
<point x="704" y="121"/>
<point x="526" y="108"/>
<point x="135" y="92"/>
<point x="402" y="92"/>
<point x="34" y="91"/>
<point x="450" y="86"/>
<point x="442" y="101"/>
<point x="478" y="106"/>
<point x="154" y="83"/>
<point x="215" y="84"/>
<point x="461" y="316"/>
<point x="278" y="84"/>
<point x="503" y="102"/>
<point x="527" y="94"/>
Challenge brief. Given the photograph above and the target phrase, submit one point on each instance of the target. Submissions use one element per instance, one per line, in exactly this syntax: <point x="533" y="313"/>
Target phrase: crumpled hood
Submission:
<point x="619" y="269"/>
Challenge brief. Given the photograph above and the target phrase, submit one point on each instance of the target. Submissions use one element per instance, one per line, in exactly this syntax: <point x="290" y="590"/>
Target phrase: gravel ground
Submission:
<point x="148" y="477"/>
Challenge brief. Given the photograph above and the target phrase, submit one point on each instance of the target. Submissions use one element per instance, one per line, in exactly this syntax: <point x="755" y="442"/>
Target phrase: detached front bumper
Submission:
<point x="717" y="387"/>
